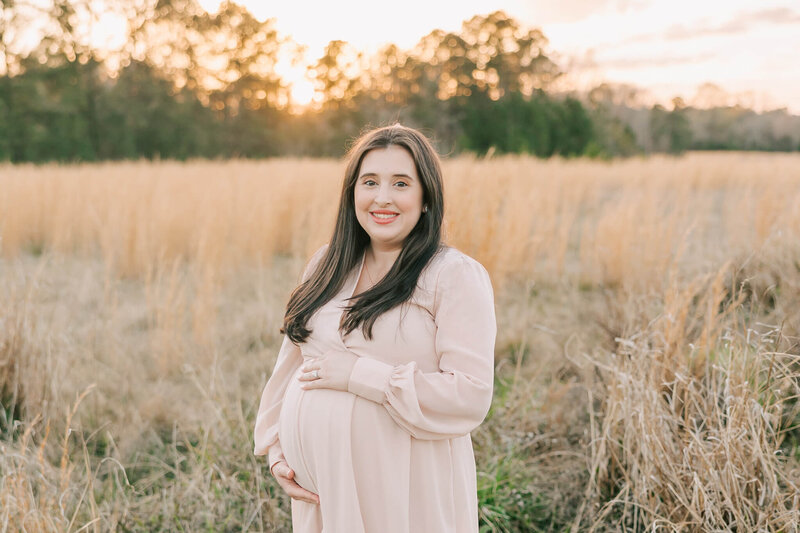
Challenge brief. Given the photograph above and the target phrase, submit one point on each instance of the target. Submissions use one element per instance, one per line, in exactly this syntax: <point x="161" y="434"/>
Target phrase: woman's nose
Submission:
<point x="384" y="195"/>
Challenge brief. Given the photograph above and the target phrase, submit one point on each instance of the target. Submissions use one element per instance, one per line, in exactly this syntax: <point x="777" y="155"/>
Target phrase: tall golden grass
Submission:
<point x="648" y="309"/>
<point x="619" y="222"/>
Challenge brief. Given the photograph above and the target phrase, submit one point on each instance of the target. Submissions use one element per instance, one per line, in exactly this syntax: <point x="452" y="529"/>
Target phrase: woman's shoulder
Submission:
<point x="316" y="256"/>
<point x="450" y="263"/>
<point x="313" y="262"/>
<point x="454" y="276"/>
<point x="450" y="255"/>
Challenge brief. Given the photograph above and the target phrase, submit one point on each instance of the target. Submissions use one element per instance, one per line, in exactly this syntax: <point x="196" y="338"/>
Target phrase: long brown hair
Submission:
<point x="349" y="242"/>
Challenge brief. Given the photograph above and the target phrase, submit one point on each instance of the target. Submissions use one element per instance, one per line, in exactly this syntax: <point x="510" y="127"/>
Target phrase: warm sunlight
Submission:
<point x="669" y="48"/>
<point x="587" y="253"/>
<point x="301" y="87"/>
<point x="302" y="92"/>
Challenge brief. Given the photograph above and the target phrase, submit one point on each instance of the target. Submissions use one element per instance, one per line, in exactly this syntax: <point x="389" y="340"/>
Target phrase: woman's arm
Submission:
<point x="289" y="360"/>
<point x="455" y="400"/>
<point x="266" y="429"/>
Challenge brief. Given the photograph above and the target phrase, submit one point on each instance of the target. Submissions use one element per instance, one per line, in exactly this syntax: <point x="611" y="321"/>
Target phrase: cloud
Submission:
<point x="648" y="62"/>
<point x="739" y="24"/>
<point x="574" y="10"/>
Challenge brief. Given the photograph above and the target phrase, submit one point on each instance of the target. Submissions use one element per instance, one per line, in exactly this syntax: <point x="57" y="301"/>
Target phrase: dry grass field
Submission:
<point x="647" y="356"/>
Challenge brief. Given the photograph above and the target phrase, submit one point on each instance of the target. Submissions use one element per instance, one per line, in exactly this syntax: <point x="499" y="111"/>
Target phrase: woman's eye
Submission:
<point x="401" y="184"/>
<point x="370" y="182"/>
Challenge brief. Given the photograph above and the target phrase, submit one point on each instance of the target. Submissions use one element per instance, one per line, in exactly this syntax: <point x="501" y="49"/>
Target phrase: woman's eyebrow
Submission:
<point x="370" y="174"/>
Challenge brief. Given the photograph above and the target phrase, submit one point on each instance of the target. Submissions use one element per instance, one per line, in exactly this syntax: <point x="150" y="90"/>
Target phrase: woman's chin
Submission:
<point x="378" y="241"/>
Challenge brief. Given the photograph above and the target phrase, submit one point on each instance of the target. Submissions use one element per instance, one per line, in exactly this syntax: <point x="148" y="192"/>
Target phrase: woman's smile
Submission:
<point x="381" y="216"/>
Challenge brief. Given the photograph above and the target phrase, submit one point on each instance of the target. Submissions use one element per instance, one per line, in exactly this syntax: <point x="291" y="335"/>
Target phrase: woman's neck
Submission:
<point x="381" y="260"/>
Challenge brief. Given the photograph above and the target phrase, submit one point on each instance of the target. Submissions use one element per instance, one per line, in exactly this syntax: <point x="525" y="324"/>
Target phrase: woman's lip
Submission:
<point x="379" y="220"/>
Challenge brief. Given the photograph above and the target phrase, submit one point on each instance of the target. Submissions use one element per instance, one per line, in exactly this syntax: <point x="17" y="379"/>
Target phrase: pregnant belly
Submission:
<point x="315" y="432"/>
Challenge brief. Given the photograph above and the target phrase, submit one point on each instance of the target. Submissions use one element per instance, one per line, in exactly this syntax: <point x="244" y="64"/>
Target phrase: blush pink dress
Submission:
<point x="393" y="454"/>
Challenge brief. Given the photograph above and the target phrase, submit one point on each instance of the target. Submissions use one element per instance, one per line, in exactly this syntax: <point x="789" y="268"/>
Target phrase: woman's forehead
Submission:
<point x="389" y="161"/>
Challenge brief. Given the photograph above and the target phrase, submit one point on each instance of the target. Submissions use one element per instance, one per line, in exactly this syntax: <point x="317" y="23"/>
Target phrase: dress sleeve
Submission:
<point x="455" y="400"/>
<point x="289" y="360"/>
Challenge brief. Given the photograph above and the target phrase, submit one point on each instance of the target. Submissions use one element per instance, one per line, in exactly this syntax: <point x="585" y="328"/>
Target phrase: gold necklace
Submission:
<point x="366" y="268"/>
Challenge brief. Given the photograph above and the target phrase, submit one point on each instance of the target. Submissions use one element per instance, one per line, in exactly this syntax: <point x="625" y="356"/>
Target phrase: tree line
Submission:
<point x="187" y="83"/>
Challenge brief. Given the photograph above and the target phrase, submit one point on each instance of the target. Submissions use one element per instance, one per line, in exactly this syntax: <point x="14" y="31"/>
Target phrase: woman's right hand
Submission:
<point x="285" y="477"/>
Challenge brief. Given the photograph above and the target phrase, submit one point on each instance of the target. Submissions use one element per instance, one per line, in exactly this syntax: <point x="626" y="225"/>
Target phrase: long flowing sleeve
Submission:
<point x="455" y="400"/>
<point x="266" y="429"/>
<point x="289" y="360"/>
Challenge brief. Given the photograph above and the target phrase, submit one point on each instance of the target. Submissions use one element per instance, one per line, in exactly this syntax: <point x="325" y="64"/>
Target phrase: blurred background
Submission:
<point x="87" y="80"/>
<point x="167" y="168"/>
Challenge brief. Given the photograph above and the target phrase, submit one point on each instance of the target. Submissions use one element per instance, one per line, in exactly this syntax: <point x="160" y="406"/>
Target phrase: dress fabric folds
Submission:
<point x="393" y="454"/>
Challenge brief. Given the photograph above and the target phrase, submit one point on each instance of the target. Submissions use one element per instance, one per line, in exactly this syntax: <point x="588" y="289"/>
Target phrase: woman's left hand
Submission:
<point x="334" y="368"/>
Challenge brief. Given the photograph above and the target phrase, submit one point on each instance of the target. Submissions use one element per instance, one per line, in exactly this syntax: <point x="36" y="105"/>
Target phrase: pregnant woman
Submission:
<point x="387" y="361"/>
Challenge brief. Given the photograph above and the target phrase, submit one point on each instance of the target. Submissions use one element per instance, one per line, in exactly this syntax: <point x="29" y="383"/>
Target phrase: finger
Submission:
<point x="315" y="362"/>
<point x="315" y="365"/>
<point x="313" y="384"/>
<point x="307" y="376"/>
<point x="296" y="491"/>
<point x="304" y="495"/>
<point x="307" y="500"/>
<point x="299" y="493"/>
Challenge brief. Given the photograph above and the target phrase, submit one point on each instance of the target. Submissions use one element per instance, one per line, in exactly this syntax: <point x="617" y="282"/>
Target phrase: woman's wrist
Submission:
<point x="275" y="455"/>
<point x="273" y="466"/>
<point x="369" y="379"/>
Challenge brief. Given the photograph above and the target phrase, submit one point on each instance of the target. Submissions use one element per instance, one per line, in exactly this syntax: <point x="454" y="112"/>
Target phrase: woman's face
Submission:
<point x="388" y="196"/>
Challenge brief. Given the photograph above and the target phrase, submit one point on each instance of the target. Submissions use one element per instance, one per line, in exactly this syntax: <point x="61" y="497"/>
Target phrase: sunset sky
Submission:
<point x="669" y="47"/>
